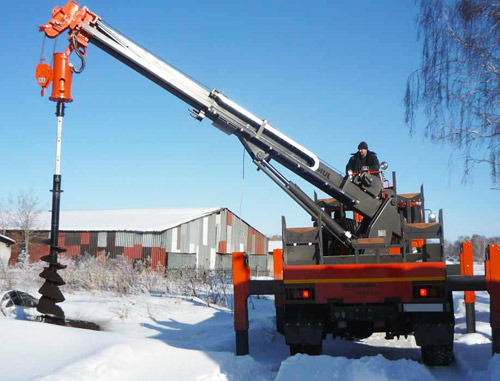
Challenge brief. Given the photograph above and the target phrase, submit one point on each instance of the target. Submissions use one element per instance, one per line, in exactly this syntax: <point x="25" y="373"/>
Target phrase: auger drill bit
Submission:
<point x="51" y="294"/>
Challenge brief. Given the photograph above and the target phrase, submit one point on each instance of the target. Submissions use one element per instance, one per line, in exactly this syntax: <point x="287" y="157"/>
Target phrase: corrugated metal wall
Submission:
<point x="205" y="239"/>
<point x="220" y="232"/>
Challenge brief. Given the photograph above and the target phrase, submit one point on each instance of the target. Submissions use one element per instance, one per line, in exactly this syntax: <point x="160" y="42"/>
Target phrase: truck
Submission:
<point x="372" y="261"/>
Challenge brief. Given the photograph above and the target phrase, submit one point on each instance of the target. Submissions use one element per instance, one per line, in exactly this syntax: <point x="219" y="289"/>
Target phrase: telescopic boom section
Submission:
<point x="262" y="141"/>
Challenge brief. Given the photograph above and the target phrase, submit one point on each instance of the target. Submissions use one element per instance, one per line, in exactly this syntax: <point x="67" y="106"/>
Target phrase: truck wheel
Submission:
<point x="294" y="349"/>
<point x="437" y="355"/>
<point x="280" y="320"/>
<point x="312" y="350"/>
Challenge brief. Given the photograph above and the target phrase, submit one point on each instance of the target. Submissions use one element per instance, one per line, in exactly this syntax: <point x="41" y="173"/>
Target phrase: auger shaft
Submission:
<point x="50" y="290"/>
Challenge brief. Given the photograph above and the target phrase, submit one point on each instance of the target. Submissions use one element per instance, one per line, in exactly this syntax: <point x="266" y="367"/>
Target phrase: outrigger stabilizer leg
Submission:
<point x="241" y="278"/>
<point x="243" y="288"/>
<point x="492" y="267"/>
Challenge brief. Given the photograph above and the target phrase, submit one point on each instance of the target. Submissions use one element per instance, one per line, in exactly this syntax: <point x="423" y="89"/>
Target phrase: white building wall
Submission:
<point x="202" y="236"/>
<point x="4" y="254"/>
<point x="173" y="247"/>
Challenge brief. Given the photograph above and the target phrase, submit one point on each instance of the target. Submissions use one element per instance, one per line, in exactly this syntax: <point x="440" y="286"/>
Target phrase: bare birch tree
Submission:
<point x="21" y="213"/>
<point x="4" y="217"/>
<point x="458" y="83"/>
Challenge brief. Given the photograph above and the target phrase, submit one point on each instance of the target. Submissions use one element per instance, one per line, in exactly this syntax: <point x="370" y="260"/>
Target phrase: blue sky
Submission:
<point x="326" y="73"/>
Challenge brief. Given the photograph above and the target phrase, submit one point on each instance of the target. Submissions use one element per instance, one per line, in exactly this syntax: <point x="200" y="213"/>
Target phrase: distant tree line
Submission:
<point x="480" y="244"/>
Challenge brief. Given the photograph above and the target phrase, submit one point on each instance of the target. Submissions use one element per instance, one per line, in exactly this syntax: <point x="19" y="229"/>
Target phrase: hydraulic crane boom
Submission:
<point x="393" y="278"/>
<point x="262" y="141"/>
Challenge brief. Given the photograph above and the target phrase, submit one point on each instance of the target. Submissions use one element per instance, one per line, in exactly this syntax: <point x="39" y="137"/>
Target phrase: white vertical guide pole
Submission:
<point x="58" y="145"/>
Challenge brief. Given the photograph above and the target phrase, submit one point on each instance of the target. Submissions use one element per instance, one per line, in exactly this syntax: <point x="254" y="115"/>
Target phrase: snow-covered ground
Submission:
<point x="165" y="337"/>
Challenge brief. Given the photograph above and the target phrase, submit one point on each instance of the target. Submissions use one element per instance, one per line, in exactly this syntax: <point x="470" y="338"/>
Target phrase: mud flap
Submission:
<point x="304" y="326"/>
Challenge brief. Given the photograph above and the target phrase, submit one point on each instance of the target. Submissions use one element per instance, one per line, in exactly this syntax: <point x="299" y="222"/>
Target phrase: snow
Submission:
<point x="377" y="368"/>
<point x="124" y="219"/>
<point x="158" y="337"/>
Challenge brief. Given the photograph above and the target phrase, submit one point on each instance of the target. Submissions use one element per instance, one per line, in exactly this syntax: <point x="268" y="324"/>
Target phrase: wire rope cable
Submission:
<point x="53" y="52"/>
<point x="331" y="166"/>
<point x="42" y="58"/>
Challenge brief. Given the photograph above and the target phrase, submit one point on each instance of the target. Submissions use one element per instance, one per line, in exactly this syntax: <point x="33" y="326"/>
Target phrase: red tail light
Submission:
<point x="300" y="294"/>
<point x="428" y="291"/>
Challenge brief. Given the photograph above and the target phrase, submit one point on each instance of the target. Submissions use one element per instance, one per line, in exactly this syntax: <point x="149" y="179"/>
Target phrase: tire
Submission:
<point x="294" y="349"/>
<point x="280" y="320"/>
<point x="437" y="355"/>
<point x="314" y="350"/>
<point x="311" y="350"/>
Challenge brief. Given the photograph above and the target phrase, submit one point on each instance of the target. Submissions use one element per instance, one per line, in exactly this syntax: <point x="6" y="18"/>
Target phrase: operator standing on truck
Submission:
<point x="363" y="158"/>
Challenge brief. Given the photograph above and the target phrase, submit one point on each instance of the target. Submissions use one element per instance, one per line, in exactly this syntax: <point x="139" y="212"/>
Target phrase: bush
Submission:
<point x="124" y="277"/>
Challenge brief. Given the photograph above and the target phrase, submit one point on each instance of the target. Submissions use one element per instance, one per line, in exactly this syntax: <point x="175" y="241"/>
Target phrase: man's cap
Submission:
<point x="363" y="145"/>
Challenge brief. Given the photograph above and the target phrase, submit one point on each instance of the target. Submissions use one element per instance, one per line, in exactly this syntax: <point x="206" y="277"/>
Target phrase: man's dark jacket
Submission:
<point x="356" y="162"/>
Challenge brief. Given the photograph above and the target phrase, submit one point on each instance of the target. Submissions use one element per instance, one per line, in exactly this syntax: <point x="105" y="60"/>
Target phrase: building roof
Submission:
<point x="6" y="239"/>
<point x="152" y="220"/>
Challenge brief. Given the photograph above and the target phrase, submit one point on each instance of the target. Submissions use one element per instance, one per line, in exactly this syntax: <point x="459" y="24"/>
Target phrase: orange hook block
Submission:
<point x="61" y="80"/>
<point x="43" y="75"/>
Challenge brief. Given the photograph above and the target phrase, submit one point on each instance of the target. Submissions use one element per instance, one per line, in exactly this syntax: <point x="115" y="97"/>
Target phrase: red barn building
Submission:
<point x="186" y="237"/>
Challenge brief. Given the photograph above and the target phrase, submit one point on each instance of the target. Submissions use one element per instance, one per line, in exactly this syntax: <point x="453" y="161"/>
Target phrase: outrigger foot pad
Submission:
<point x="241" y="343"/>
<point x="495" y="340"/>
